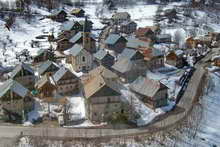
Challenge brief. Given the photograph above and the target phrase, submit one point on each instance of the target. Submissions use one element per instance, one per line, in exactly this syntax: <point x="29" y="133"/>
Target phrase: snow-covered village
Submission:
<point x="109" y="73"/>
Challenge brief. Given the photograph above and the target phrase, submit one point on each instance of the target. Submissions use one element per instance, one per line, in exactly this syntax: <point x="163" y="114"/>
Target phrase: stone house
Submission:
<point x="78" y="12"/>
<point x="103" y="57"/>
<point x="115" y="43"/>
<point x="63" y="44"/>
<point x="43" y="55"/>
<point x="24" y="74"/>
<point x="15" y="100"/>
<point x="175" y="58"/>
<point x="59" y="16"/>
<point x="69" y="29"/>
<point x="152" y="92"/>
<point x="131" y="54"/>
<point x="120" y="17"/>
<point x="79" y="58"/>
<point x="66" y="81"/>
<point x="154" y="58"/>
<point x="46" y="87"/>
<point x="128" y="70"/>
<point x="128" y="27"/>
<point x="48" y="68"/>
<point x="102" y="98"/>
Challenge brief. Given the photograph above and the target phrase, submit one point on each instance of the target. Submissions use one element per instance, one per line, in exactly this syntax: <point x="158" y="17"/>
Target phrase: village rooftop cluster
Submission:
<point x="98" y="69"/>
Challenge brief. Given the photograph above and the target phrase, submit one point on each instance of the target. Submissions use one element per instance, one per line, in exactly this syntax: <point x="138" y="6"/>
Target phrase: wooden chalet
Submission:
<point x="48" y="68"/>
<point x="42" y="56"/>
<point x="128" y="27"/>
<point x="45" y="87"/>
<point x="128" y="70"/>
<point x="103" y="57"/>
<point x="115" y="43"/>
<point x="66" y="81"/>
<point x="153" y="93"/>
<point x="24" y="74"/>
<point x="59" y="16"/>
<point x="15" y="100"/>
<point x="63" y="44"/>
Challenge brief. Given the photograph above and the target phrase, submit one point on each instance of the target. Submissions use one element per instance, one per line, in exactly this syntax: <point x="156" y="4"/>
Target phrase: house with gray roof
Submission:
<point x="128" y="27"/>
<point x="70" y="26"/>
<point x="152" y="92"/>
<point x="14" y="100"/>
<point x="135" y="43"/>
<point x="120" y="17"/>
<point x="66" y="81"/>
<point x="103" y="57"/>
<point x="115" y="42"/>
<point x="24" y="74"/>
<point x="48" y="68"/>
<point x="79" y="58"/>
<point x="131" y="54"/>
<point x="128" y="70"/>
<point x="58" y="15"/>
<point x="80" y="38"/>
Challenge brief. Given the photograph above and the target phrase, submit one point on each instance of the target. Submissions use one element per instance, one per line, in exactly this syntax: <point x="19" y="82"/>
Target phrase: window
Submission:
<point x="83" y="59"/>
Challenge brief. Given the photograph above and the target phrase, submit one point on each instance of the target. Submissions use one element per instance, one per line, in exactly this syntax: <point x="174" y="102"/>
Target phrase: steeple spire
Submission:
<point x="86" y="25"/>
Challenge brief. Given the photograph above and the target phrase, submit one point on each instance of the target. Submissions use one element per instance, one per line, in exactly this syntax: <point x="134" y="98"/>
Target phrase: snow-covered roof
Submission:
<point x="13" y="86"/>
<point x="123" y="65"/>
<point x="147" y="87"/>
<point x="76" y="49"/>
<point x="79" y="35"/>
<point x="97" y="84"/>
<point x="69" y="25"/>
<point x="113" y="38"/>
<point x="136" y="43"/>
<point x="44" y="66"/>
<point x="102" y="54"/>
<point x="20" y="67"/>
<point x="61" y="72"/>
<point x="121" y="15"/>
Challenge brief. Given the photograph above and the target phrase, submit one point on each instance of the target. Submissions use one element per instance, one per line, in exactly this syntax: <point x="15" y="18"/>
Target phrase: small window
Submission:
<point x="83" y="58"/>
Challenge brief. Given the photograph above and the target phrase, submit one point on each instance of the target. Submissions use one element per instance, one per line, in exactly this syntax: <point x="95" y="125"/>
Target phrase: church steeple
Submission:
<point x="86" y="36"/>
<point x="86" y="26"/>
